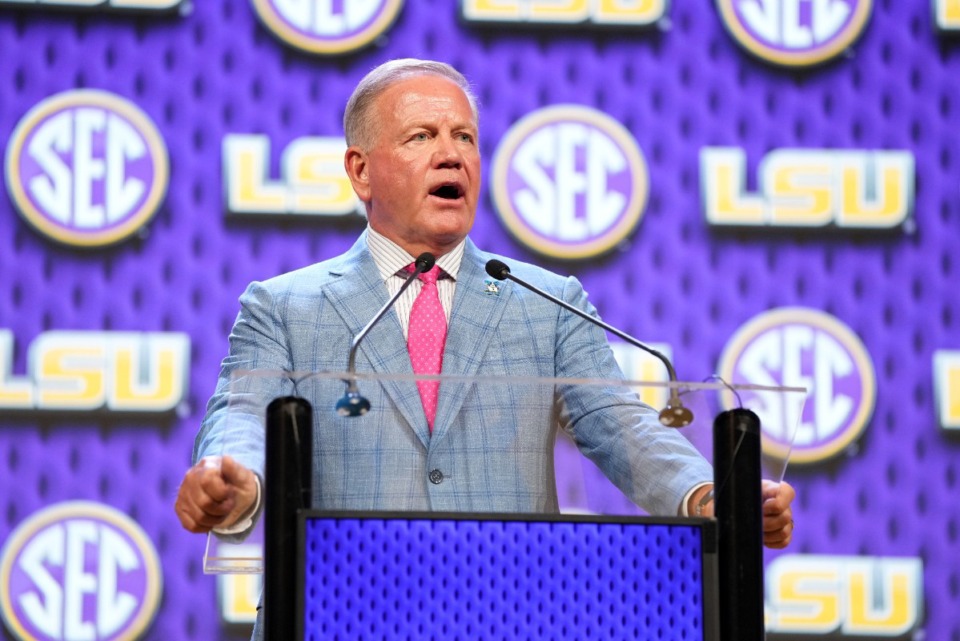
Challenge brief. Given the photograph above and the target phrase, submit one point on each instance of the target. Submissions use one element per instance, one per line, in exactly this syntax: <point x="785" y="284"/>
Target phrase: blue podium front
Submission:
<point x="511" y="577"/>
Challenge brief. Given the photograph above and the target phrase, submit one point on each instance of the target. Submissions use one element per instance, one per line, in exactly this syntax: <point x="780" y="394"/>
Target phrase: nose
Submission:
<point x="447" y="154"/>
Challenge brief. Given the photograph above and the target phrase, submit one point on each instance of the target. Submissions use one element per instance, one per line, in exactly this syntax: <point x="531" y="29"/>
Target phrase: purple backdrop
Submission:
<point x="216" y="70"/>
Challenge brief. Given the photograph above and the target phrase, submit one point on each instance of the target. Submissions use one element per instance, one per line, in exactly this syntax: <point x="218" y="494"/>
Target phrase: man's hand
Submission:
<point x="777" y="515"/>
<point x="215" y="493"/>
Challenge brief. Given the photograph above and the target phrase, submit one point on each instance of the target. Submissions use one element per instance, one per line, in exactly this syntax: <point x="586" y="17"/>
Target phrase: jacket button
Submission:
<point x="436" y="477"/>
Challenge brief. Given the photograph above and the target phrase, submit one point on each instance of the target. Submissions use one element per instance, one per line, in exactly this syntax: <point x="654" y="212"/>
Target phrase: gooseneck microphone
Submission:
<point x="352" y="403"/>
<point x="674" y="414"/>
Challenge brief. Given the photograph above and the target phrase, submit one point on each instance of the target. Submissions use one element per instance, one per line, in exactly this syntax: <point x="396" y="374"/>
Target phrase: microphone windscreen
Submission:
<point x="497" y="269"/>
<point x="424" y="262"/>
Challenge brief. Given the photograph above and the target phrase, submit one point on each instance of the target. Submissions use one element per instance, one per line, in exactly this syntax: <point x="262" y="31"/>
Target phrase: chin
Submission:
<point x="450" y="223"/>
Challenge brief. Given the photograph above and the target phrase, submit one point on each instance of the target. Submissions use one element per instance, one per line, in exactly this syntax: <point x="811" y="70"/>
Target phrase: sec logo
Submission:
<point x="569" y="182"/>
<point x="807" y="348"/>
<point x="86" y="168"/>
<point x="79" y="570"/>
<point x="795" y="33"/>
<point x="327" y="26"/>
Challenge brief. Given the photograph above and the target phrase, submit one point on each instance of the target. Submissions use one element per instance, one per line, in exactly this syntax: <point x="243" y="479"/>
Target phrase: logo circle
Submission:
<point x="316" y="27"/>
<point x="86" y="168"/>
<point x="792" y="33"/>
<point x="569" y="182"/>
<point x="800" y="347"/>
<point x="49" y="578"/>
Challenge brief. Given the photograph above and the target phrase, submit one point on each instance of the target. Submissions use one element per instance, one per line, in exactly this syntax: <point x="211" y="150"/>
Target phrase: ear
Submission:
<point x="356" y="164"/>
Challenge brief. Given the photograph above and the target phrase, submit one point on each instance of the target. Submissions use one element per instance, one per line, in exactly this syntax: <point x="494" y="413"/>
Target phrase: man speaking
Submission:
<point x="413" y="158"/>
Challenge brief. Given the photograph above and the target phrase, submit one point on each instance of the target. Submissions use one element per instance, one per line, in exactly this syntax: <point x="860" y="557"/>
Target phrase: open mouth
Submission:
<point x="449" y="191"/>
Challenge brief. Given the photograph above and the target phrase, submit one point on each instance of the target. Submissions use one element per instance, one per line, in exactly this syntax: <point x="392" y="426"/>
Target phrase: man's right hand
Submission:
<point x="215" y="493"/>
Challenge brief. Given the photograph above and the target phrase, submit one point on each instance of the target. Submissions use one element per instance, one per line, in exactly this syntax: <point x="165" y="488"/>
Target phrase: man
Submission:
<point x="414" y="161"/>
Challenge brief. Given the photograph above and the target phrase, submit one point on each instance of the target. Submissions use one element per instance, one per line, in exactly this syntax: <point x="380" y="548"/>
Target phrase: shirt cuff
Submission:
<point x="245" y="522"/>
<point x="683" y="504"/>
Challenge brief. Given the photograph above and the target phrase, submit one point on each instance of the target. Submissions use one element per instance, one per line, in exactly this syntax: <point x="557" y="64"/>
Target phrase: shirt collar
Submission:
<point x="390" y="258"/>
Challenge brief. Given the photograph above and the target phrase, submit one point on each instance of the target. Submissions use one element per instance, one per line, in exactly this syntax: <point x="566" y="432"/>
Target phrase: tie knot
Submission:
<point x="429" y="277"/>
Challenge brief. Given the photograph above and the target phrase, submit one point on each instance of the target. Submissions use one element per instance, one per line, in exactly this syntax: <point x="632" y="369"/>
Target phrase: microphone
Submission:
<point x="353" y="403"/>
<point x="674" y="414"/>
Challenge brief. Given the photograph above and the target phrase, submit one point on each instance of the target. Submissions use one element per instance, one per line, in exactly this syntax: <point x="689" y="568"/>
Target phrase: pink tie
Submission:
<point x="425" y="339"/>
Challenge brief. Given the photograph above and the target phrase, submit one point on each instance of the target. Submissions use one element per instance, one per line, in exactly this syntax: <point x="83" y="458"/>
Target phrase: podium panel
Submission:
<point x="505" y="577"/>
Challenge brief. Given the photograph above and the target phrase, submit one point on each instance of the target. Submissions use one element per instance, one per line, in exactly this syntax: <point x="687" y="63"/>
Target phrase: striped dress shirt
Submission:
<point x="392" y="260"/>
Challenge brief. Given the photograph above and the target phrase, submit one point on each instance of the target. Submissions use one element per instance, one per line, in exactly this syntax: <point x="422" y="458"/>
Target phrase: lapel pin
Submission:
<point x="491" y="287"/>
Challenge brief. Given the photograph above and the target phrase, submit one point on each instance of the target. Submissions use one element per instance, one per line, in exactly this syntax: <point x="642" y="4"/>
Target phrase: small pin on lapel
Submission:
<point x="491" y="287"/>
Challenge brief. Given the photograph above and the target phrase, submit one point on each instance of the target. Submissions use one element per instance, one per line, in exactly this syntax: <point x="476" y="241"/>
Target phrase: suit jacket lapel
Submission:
<point x="467" y="342"/>
<point x="357" y="293"/>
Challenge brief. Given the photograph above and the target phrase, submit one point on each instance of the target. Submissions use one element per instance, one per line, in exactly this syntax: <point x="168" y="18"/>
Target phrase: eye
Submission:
<point x="465" y="137"/>
<point x="420" y="137"/>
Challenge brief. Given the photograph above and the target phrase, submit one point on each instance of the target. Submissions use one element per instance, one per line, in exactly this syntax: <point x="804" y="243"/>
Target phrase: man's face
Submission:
<point x="420" y="178"/>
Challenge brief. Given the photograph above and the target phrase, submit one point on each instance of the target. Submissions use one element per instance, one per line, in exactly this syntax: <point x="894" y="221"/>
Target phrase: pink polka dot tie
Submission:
<point x="425" y="339"/>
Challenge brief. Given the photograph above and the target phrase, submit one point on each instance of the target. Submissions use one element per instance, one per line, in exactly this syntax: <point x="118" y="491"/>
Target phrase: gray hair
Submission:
<point x="358" y="122"/>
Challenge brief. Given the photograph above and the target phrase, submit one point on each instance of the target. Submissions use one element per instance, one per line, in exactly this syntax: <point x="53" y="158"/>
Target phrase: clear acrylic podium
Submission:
<point x="538" y="528"/>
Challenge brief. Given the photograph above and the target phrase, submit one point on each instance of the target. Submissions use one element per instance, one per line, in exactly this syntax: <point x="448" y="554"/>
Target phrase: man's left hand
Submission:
<point x="777" y="515"/>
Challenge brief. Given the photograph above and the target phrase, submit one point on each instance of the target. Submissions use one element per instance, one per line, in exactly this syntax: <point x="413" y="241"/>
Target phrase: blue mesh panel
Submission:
<point x="461" y="579"/>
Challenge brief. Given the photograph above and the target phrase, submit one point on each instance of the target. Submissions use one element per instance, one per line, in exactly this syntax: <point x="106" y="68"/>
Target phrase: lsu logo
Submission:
<point x="946" y="385"/>
<point x="569" y="182"/>
<point x="809" y="188"/>
<point x="79" y="570"/>
<point x="796" y="347"/>
<point x="119" y="371"/>
<point x="313" y="181"/>
<point x="106" y="5"/>
<point x="850" y="596"/>
<point x="86" y="168"/>
<point x="238" y="593"/>
<point x="947" y="14"/>
<point x="599" y="12"/>
<point x="795" y="33"/>
<point x="638" y="365"/>
<point x="327" y="27"/>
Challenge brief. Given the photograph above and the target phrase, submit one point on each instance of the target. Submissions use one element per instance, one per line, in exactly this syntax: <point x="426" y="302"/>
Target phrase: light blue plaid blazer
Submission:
<point x="493" y="446"/>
